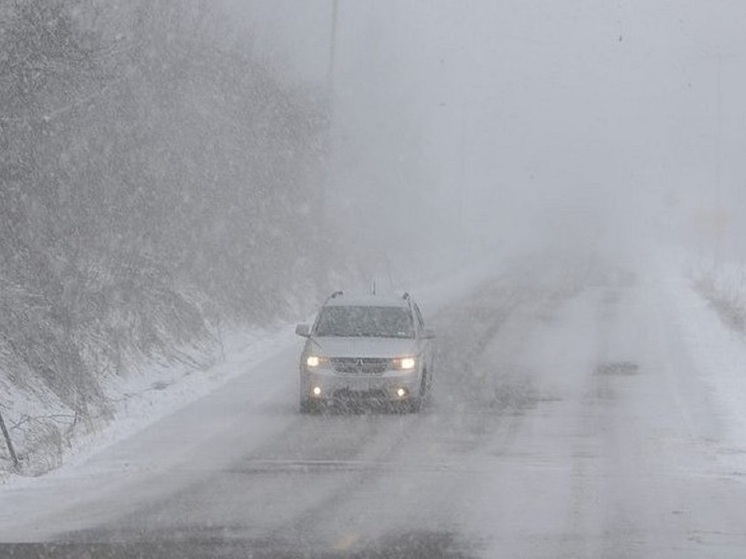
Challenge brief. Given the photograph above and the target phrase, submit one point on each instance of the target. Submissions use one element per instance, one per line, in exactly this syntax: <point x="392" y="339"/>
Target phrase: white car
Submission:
<point x="366" y="348"/>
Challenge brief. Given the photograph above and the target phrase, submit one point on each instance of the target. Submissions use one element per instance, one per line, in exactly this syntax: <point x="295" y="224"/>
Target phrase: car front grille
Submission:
<point x="345" y="394"/>
<point x="360" y="365"/>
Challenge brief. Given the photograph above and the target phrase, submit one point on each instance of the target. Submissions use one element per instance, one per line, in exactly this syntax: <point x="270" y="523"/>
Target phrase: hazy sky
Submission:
<point x="484" y="120"/>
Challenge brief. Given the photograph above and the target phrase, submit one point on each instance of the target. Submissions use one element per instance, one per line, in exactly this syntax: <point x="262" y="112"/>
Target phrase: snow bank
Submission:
<point x="141" y="399"/>
<point x="697" y="293"/>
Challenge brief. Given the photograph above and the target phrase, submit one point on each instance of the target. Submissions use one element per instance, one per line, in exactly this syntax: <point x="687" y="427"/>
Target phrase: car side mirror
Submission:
<point x="429" y="333"/>
<point x="303" y="330"/>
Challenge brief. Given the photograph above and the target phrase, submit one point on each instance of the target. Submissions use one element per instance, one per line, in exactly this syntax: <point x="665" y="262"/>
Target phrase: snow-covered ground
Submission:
<point x="147" y="395"/>
<point x="715" y="345"/>
<point x="588" y="411"/>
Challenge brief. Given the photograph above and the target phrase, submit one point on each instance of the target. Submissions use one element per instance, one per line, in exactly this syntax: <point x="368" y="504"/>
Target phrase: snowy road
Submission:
<point x="571" y="417"/>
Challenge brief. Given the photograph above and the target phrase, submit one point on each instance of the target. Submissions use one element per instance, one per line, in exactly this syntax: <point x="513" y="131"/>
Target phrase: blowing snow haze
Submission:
<point x="514" y="123"/>
<point x="559" y="185"/>
<point x="167" y="167"/>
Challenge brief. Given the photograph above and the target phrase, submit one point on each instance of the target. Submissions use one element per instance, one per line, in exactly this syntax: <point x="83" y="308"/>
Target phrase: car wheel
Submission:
<point x="308" y="406"/>
<point x="425" y="385"/>
<point x="423" y="394"/>
<point x="415" y="405"/>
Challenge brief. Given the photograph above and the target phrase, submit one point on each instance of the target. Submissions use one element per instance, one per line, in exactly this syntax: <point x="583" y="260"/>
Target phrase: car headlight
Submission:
<point x="404" y="363"/>
<point x="315" y="362"/>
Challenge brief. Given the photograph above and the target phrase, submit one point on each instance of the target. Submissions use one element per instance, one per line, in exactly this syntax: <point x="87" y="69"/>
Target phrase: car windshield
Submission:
<point x="365" y="321"/>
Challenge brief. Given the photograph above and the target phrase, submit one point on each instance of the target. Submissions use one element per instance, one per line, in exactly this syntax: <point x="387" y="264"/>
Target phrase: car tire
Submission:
<point x="415" y="405"/>
<point x="416" y="402"/>
<point x="308" y="406"/>
<point x="425" y="385"/>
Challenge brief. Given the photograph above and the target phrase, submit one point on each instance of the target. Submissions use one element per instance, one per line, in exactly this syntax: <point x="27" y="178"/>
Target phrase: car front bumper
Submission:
<point x="329" y="386"/>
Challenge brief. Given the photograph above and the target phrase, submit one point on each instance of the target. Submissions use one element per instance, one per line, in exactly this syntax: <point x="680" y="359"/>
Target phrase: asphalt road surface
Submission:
<point x="566" y="421"/>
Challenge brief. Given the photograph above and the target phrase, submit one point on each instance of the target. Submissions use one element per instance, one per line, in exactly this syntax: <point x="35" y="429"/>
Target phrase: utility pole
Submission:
<point x="328" y="191"/>
<point x="332" y="51"/>
<point x="462" y="175"/>
<point x="721" y="217"/>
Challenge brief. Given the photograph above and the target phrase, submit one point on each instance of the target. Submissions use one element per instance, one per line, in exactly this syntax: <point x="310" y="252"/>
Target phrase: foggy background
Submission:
<point x="520" y="123"/>
<point x="169" y="170"/>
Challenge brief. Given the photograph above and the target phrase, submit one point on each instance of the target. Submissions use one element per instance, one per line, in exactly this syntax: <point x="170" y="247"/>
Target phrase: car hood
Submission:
<point x="365" y="347"/>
